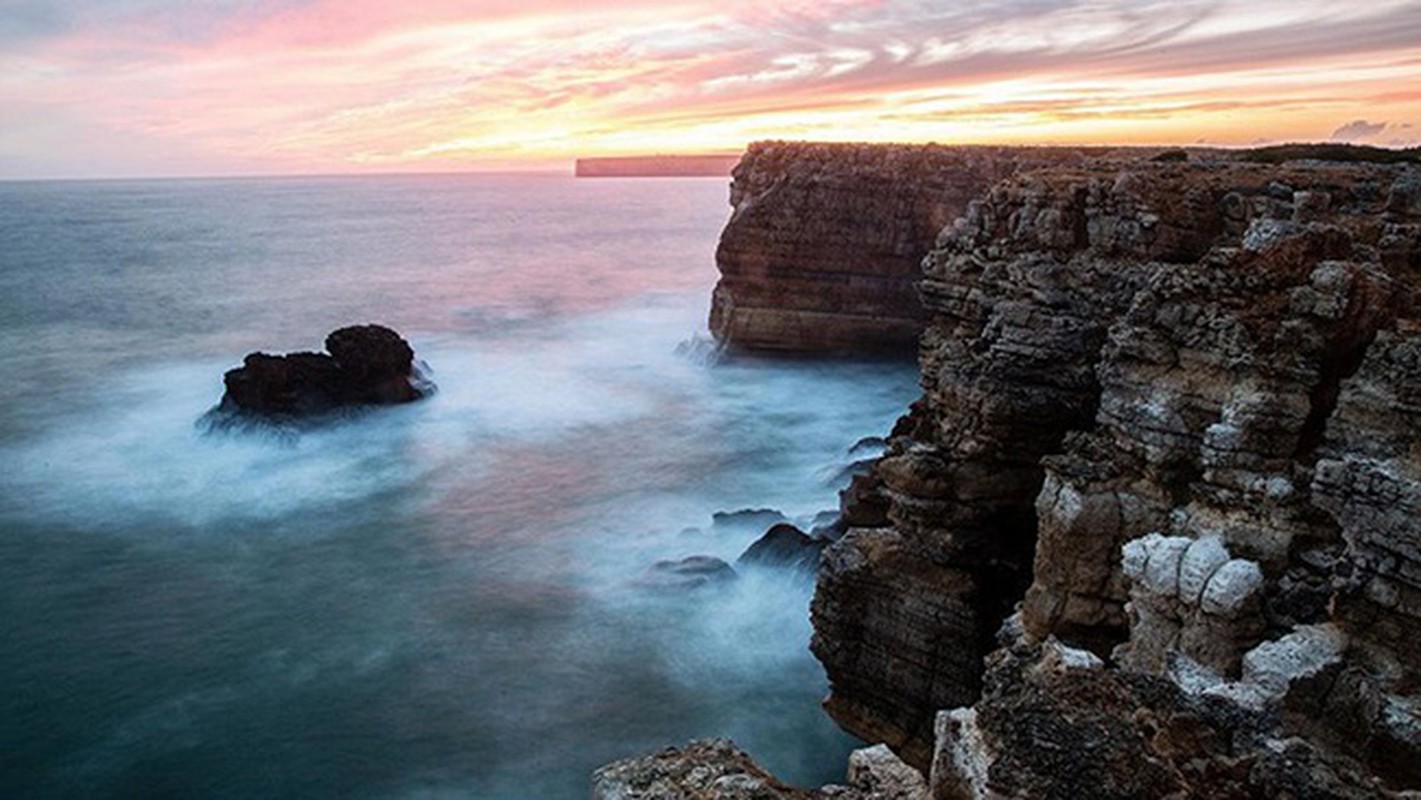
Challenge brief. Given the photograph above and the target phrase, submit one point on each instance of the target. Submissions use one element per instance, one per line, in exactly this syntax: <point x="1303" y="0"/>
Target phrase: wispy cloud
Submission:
<point x="124" y="86"/>
<point x="1358" y="130"/>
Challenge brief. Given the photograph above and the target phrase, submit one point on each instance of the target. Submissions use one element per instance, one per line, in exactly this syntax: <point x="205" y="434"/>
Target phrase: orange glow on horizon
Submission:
<point x="319" y="86"/>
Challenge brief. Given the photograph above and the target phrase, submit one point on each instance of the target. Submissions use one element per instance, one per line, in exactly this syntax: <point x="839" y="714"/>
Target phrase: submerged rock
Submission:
<point x="760" y="518"/>
<point x="691" y="572"/>
<point x="784" y="545"/>
<point x="364" y="365"/>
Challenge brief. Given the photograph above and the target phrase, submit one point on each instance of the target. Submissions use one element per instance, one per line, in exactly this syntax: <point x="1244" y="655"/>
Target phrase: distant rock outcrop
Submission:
<point x="362" y="365"/>
<point x="784" y="545"/>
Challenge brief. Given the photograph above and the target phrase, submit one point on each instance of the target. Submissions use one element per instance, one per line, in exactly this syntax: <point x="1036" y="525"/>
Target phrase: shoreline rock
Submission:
<point x="691" y="572"/>
<point x="1165" y="412"/>
<point x="1154" y="527"/>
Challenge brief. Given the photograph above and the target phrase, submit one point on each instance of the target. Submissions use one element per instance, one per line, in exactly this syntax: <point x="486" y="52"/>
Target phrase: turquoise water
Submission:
<point x="426" y="601"/>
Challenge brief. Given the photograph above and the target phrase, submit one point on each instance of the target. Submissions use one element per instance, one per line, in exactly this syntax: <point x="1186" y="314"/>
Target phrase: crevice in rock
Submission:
<point x="1322" y="401"/>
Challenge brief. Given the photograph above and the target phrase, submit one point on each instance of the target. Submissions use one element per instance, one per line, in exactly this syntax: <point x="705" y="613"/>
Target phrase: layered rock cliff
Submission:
<point x="1172" y="418"/>
<point x="822" y="251"/>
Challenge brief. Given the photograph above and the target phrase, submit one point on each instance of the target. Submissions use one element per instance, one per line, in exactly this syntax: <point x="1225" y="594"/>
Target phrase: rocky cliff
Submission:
<point x="1171" y="425"/>
<point x="1154" y="527"/>
<point x="823" y="249"/>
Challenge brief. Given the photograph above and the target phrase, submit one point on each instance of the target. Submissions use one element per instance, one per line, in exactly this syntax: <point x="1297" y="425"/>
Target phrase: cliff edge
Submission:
<point x="1171" y="429"/>
<point x="823" y="249"/>
<point x="1153" y="528"/>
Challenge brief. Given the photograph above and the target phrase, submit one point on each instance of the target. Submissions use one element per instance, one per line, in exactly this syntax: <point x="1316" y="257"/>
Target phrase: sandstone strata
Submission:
<point x="823" y="247"/>
<point x="1171" y="412"/>
<point x="1154" y="527"/>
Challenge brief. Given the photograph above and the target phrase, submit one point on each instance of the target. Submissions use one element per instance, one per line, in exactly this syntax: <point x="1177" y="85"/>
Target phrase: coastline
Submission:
<point x="1185" y="361"/>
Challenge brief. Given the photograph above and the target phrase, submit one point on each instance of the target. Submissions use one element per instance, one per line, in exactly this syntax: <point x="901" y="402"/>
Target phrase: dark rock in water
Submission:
<point x="784" y="546"/>
<point x="826" y="525"/>
<point x="868" y="444"/>
<point x="759" y="518"/>
<point x="364" y="365"/>
<point x="691" y="572"/>
<point x="832" y="530"/>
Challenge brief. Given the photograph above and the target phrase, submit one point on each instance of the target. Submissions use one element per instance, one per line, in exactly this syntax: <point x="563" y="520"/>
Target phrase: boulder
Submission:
<point x="692" y="572"/>
<point x="784" y="545"/>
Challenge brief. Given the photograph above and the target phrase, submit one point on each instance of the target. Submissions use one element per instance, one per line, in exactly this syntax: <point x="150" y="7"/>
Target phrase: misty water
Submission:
<point x="433" y="600"/>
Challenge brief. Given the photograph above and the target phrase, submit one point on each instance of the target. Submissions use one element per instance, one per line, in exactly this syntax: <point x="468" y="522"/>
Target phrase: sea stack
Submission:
<point x="363" y="365"/>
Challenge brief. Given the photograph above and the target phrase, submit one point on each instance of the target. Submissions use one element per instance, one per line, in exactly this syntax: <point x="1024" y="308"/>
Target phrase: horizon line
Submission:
<point x="570" y="166"/>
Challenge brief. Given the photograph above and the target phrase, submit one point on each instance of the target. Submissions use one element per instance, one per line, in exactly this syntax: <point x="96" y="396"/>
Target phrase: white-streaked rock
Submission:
<point x="962" y="758"/>
<point x="880" y="774"/>
<point x="1162" y="571"/>
<point x="1273" y="666"/>
<point x="1057" y="656"/>
<point x="1230" y="588"/>
<point x="1203" y="558"/>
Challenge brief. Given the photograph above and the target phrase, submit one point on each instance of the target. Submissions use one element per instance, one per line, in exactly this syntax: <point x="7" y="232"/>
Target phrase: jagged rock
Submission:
<point x="1045" y="731"/>
<point x="363" y="365"/>
<point x="692" y="572"/>
<point x="879" y="774"/>
<point x="716" y="769"/>
<point x="712" y="769"/>
<point x="868" y="444"/>
<point x="862" y="504"/>
<point x="1189" y="597"/>
<point x="823" y="246"/>
<point x="1224" y="354"/>
<point x="879" y="610"/>
<point x="784" y="545"/>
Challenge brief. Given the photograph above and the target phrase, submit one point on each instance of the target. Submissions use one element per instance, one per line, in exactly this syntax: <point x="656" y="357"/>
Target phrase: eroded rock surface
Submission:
<point x="1063" y="726"/>
<point x="1173" y="411"/>
<point x="716" y="769"/>
<point x="823" y="247"/>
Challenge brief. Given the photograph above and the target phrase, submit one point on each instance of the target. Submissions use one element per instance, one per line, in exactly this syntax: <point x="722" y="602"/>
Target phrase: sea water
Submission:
<point x="432" y="600"/>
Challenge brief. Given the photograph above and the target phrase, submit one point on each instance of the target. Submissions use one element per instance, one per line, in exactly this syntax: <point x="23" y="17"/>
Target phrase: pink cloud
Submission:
<point x="326" y="85"/>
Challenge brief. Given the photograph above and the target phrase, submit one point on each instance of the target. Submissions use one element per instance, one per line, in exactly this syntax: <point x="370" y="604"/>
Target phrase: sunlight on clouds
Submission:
<point x="321" y="86"/>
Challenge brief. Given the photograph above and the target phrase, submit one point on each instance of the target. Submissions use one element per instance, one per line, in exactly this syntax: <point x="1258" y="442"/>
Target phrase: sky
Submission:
<point x="110" y="88"/>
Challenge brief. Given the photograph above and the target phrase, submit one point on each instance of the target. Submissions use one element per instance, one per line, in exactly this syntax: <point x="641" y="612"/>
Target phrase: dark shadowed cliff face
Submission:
<point x="1171" y="412"/>
<point x="823" y="249"/>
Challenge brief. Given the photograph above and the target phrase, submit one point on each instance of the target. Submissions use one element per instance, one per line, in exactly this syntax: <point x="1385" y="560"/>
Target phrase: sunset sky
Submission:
<point x="147" y="87"/>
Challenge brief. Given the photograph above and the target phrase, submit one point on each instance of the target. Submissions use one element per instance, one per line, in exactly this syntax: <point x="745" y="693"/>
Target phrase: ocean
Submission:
<point x="437" y="600"/>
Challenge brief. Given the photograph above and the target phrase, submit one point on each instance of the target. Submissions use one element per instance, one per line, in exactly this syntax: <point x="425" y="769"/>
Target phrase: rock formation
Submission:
<point x="362" y="365"/>
<point x="784" y="545"/>
<point x="1154" y="527"/>
<point x="1173" y="412"/>
<point x="823" y="247"/>
<point x="691" y="572"/>
<point x="716" y="769"/>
